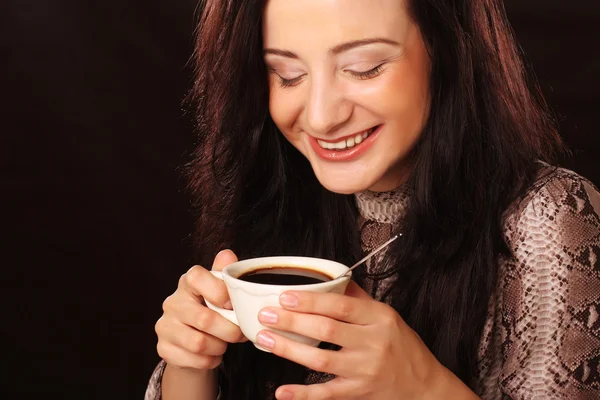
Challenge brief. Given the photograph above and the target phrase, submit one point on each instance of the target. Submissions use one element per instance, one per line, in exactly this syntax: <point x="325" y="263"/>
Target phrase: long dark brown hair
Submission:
<point x="257" y="195"/>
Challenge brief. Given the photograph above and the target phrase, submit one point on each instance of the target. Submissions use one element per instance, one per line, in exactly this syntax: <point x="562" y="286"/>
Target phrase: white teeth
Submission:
<point x="340" y="145"/>
<point x="326" y="145"/>
<point x="348" y="143"/>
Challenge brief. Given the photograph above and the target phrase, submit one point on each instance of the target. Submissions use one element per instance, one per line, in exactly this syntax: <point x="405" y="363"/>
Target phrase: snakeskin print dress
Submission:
<point x="541" y="339"/>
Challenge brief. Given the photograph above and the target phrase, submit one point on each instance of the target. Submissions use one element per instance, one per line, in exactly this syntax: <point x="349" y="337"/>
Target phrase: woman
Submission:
<point x="390" y="116"/>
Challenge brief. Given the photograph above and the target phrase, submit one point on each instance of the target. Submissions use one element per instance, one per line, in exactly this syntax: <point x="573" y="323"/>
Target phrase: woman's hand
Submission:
<point x="190" y="335"/>
<point x="381" y="357"/>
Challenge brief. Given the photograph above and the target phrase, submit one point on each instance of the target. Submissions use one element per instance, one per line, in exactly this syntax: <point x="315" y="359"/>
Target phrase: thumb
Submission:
<point x="223" y="259"/>
<point x="353" y="290"/>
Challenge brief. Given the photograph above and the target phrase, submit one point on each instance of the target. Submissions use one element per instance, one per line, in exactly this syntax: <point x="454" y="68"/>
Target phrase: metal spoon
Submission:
<point x="371" y="254"/>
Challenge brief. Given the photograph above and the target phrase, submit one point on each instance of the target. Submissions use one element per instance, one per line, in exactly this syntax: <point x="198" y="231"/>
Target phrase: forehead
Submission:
<point x="314" y="23"/>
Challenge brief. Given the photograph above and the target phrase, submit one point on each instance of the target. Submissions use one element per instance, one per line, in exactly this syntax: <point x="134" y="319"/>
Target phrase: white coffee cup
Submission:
<point x="248" y="298"/>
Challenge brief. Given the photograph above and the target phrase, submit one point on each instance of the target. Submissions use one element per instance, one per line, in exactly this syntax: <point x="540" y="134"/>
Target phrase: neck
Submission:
<point x="389" y="206"/>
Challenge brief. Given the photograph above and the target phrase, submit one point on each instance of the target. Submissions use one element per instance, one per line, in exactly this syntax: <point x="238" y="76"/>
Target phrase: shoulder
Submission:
<point x="553" y="238"/>
<point x="562" y="188"/>
<point x="560" y="211"/>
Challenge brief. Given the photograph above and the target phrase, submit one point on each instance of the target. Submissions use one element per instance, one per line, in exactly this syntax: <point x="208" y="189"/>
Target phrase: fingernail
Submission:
<point x="285" y="395"/>
<point x="228" y="305"/>
<point x="267" y="316"/>
<point x="265" y="340"/>
<point x="288" y="300"/>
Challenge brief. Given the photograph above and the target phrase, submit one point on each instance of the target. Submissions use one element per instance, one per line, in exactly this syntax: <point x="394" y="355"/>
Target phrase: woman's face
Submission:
<point x="348" y="87"/>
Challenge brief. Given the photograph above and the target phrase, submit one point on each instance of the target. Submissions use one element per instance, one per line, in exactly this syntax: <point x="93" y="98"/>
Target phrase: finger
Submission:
<point x="359" y="311"/>
<point x="181" y="358"/>
<point x="201" y="284"/>
<point x="353" y="290"/>
<point x="189" y="339"/>
<point x="315" y="326"/>
<point x="337" y="389"/>
<point x="329" y="361"/>
<point x="206" y="320"/>
<point x="223" y="259"/>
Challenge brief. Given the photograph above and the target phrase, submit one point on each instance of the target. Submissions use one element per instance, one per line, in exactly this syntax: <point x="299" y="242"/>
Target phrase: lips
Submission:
<point x="345" y="148"/>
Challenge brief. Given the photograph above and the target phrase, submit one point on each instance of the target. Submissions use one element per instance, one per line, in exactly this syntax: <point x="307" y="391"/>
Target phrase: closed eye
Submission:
<point x="372" y="73"/>
<point x="284" y="82"/>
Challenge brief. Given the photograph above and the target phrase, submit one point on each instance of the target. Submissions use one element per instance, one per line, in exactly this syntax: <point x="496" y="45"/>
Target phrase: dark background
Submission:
<point x="95" y="220"/>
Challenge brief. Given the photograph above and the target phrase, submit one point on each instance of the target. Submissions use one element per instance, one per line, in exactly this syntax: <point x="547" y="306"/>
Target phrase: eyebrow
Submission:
<point x="340" y="48"/>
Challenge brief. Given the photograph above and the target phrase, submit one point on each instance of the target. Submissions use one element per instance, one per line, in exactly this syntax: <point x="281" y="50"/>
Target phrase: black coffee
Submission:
<point x="278" y="275"/>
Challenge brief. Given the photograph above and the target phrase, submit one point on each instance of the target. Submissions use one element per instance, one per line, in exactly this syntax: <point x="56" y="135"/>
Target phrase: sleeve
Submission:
<point x="550" y="296"/>
<point x="154" y="389"/>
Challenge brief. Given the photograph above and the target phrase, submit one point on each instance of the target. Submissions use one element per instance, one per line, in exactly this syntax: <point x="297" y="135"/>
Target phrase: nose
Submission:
<point x="327" y="107"/>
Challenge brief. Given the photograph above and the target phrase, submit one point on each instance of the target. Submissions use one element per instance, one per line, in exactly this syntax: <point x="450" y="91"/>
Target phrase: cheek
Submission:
<point x="284" y="108"/>
<point x="403" y="99"/>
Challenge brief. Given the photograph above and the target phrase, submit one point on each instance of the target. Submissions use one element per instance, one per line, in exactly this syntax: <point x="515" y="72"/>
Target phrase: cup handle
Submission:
<point x="228" y="314"/>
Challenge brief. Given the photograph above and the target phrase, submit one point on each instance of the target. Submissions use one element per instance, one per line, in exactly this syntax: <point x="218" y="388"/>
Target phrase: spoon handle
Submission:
<point x="371" y="254"/>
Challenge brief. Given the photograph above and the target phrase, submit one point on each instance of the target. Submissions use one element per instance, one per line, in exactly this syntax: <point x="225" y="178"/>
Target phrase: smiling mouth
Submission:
<point x="348" y="142"/>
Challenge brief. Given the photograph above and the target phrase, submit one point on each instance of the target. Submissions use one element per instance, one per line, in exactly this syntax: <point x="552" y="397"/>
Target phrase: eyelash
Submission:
<point x="286" y="83"/>
<point x="372" y="73"/>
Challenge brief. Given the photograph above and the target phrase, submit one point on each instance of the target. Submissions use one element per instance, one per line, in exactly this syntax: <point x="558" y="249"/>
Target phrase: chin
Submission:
<point x="345" y="178"/>
<point x="348" y="183"/>
<point x="342" y="189"/>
